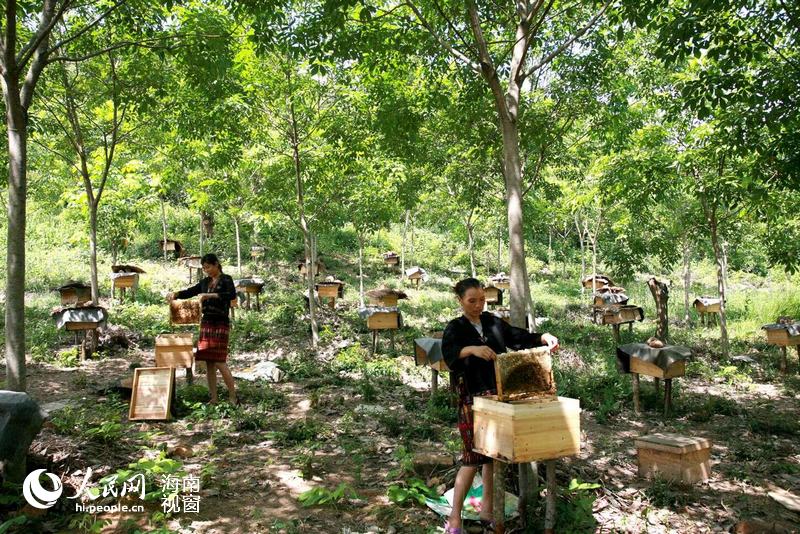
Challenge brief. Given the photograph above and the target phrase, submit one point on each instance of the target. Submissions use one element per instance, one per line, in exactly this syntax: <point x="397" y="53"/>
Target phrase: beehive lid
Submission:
<point x="382" y="292"/>
<point x="127" y="269"/>
<point x="524" y="374"/>
<point x="706" y="301"/>
<point x="674" y="443"/>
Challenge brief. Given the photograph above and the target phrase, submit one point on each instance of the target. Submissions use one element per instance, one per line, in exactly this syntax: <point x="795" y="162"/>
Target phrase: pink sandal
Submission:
<point x="452" y="530"/>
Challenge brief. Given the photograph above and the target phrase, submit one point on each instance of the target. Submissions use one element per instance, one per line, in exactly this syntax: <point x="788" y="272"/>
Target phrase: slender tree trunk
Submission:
<point x="15" y="246"/>
<point x="202" y="234"/>
<point x="687" y="279"/>
<point x="720" y="261"/>
<point x="360" y="270"/>
<point x="583" y="254"/>
<point x="549" y="248"/>
<point x="724" y="248"/>
<point x="164" y="226"/>
<point x="411" y="255"/>
<point x="238" y="245"/>
<point x="471" y="245"/>
<point x="403" y="247"/>
<point x="93" y="252"/>
<point x="307" y="238"/>
<point x="499" y="249"/>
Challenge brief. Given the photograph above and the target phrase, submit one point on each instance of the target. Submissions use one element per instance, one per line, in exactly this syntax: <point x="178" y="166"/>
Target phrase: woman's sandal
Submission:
<point x="452" y="530"/>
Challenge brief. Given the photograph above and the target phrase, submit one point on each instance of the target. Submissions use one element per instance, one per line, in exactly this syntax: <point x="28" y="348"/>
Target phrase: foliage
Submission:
<point x="574" y="508"/>
<point x="409" y="491"/>
<point x="323" y="496"/>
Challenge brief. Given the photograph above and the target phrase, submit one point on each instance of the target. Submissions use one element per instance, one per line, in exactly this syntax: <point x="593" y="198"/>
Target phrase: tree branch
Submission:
<point x="552" y="55"/>
<point x="442" y="42"/>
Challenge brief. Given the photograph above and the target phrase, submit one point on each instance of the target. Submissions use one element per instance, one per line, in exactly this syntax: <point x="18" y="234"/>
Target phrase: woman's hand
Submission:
<point x="170" y="297"/>
<point x="550" y="341"/>
<point x="483" y="352"/>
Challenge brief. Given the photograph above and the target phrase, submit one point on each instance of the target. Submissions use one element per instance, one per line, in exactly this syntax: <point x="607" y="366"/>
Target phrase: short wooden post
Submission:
<point x="550" y="503"/>
<point x="258" y="303"/>
<point x="798" y="358"/>
<point x="667" y="396"/>
<point x="391" y="339"/>
<point x="332" y="302"/>
<point x="434" y="381"/>
<point x="630" y="327"/>
<point x="636" y="406"/>
<point x="189" y="376"/>
<point x="615" y="329"/>
<point x="499" y="496"/>
<point x="783" y="359"/>
<point x="374" y="342"/>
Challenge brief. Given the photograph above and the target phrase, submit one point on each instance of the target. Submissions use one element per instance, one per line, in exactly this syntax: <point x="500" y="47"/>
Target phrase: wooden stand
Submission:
<point x="383" y="321"/>
<point x="674" y="457"/>
<point x="123" y="283"/>
<point x="708" y="313"/>
<point x="248" y="292"/>
<point x="640" y="367"/>
<point x="89" y="343"/>
<point x="176" y="350"/>
<point x="781" y="338"/>
<point x="329" y="291"/>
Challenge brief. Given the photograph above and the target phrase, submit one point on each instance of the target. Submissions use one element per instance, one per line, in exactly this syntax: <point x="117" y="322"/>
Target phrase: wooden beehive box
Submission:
<point x="492" y="294"/>
<point x="524" y="374"/>
<point x="674" y="457"/>
<point x="185" y="311"/>
<point x="124" y="280"/>
<point x="383" y="321"/>
<point x="174" y="350"/>
<point x="328" y="290"/>
<point x="391" y="260"/>
<point x="675" y="369"/>
<point x="75" y="295"/>
<point x="625" y="313"/>
<point x="780" y="336"/>
<point x="528" y="430"/>
<point x="713" y="307"/>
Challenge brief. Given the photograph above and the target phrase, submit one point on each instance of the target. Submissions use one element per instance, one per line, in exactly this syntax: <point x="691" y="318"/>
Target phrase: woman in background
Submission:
<point x="216" y="291"/>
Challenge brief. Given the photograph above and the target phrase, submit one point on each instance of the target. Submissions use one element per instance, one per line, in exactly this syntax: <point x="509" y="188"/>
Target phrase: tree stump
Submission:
<point x="660" y="295"/>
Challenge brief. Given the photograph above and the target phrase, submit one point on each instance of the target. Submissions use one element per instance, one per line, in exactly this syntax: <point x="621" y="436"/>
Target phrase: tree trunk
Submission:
<point x="403" y="248"/>
<point x="164" y="226"/>
<point x="471" y="245"/>
<point x="238" y="245"/>
<point x="581" y="236"/>
<point x="549" y="248"/>
<point x="93" y="252"/>
<point x="360" y="270"/>
<point x="15" y="245"/>
<point x="687" y="280"/>
<point x="307" y="238"/>
<point x="711" y="215"/>
<point x="202" y="234"/>
<point x="411" y="255"/>
<point x="499" y="249"/>
<point x="660" y="295"/>
<point x="520" y="291"/>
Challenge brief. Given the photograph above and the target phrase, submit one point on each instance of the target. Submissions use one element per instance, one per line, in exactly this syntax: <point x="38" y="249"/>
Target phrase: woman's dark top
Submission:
<point x="499" y="335"/>
<point x="214" y="309"/>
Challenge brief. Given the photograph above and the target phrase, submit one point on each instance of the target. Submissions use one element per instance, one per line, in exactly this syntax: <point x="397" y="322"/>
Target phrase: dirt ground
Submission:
<point x="257" y="482"/>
